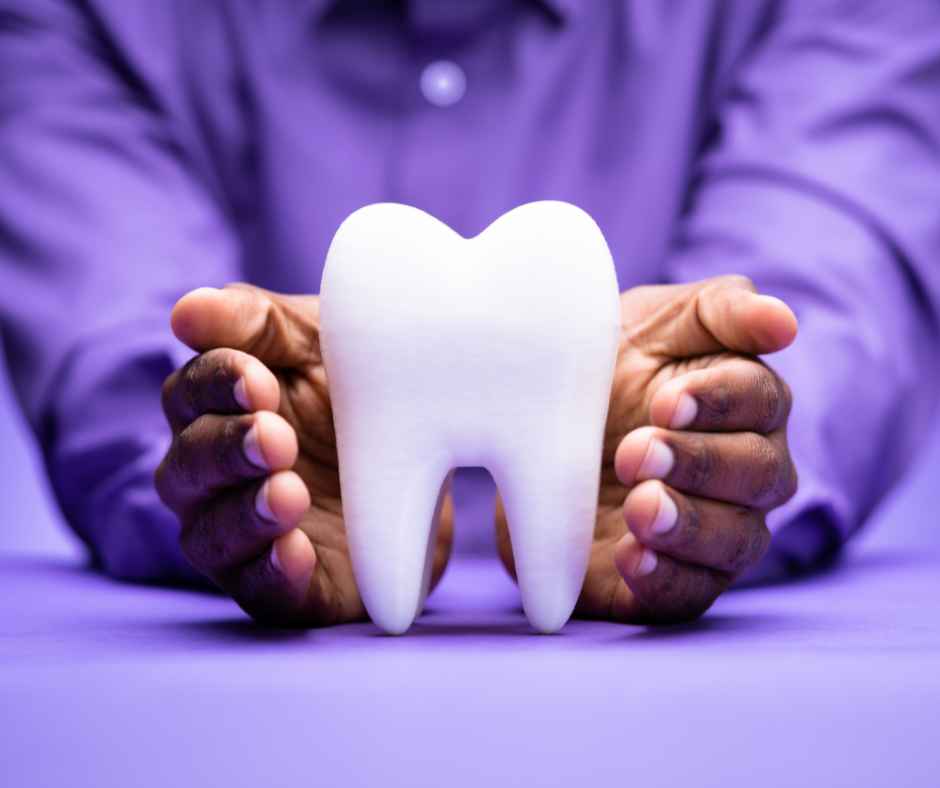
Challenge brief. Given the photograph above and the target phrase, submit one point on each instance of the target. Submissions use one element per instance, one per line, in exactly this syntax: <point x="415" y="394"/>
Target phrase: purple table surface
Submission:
<point x="832" y="681"/>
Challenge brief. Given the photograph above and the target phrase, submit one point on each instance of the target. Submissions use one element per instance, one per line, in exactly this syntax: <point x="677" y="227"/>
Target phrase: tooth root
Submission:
<point x="432" y="542"/>
<point x="391" y="527"/>
<point x="550" y="506"/>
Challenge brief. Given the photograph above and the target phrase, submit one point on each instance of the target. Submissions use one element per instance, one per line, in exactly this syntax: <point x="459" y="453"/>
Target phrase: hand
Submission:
<point x="252" y="470"/>
<point x="695" y="451"/>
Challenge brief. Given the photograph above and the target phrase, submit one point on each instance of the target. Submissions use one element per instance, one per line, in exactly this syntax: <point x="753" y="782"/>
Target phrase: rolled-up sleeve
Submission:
<point x="822" y="184"/>
<point x="103" y="225"/>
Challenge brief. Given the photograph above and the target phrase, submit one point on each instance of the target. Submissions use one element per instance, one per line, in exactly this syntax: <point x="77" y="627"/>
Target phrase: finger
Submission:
<point x="280" y="330"/>
<point x="239" y="524"/>
<point x="219" y="381"/>
<point x="733" y="395"/>
<point x="721" y="314"/>
<point x="696" y="530"/>
<point x="660" y="589"/>
<point x="275" y="587"/>
<point x="739" y="467"/>
<point x="292" y="585"/>
<point x="219" y="451"/>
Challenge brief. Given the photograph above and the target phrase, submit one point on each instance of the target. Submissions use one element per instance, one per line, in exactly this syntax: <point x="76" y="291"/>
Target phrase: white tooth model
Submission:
<point x="443" y="351"/>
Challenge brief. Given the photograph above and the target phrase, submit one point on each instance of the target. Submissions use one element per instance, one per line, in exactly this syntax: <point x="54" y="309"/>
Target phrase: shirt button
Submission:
<point x="443" y="83"/>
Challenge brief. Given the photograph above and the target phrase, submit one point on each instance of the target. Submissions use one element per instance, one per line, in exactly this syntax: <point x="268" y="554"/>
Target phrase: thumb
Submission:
<point x="279" y="330"/>
<point x="715" y="315"/>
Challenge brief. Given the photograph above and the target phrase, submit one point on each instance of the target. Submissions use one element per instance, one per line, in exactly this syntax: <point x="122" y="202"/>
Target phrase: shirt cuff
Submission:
<point x="137" y="535"/>
<point x="806" y="535"/>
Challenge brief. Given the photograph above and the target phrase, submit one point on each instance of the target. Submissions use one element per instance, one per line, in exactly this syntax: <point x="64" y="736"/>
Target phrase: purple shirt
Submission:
<point x="147" y="148"/>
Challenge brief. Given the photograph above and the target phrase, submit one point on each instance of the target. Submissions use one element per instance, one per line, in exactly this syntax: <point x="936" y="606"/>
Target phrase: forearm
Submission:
<point x="102" y="227"/>
<point x="109" y="439"/>
<point x="822" y="186"/>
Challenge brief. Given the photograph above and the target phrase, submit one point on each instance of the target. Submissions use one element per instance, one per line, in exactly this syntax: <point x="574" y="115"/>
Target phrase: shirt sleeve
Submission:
<point x="103" y="225"/>
<point x="822" y="183"/>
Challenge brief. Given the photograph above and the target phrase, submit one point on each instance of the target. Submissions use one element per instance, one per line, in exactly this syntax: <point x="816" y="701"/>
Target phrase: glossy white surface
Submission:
<point x="494" y="351"/>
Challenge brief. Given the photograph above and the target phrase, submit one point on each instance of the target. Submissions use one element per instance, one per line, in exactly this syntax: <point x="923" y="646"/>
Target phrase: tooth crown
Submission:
<point x="443" y="352"/>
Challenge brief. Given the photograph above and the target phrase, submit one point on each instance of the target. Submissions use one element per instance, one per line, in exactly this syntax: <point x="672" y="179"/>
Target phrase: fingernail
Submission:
<point x="646" y="564"/>
<point x="666" y="516"/>
<point x="772" y="300"/>
<point x="275" y="559"/>
<point x="261" y="504"/>
<point x="252" y="449"/>
<point x="658" y="461"/>
<point x="684" y="414"/>
<point x="240" y="391"/>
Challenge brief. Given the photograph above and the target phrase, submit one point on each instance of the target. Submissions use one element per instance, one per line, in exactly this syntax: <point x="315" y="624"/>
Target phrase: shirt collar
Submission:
<point x="564" y="10"/>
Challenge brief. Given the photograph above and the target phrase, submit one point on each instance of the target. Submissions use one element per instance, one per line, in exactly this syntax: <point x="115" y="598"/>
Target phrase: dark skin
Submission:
<point x="270" y="532"/>
<point x="687" y="375"/>
<point x="262" y="516"/>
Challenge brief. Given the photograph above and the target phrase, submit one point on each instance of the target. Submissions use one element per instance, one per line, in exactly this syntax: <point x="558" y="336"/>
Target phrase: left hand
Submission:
<point x="695" y="452"/>
<point x="252" y="472"/>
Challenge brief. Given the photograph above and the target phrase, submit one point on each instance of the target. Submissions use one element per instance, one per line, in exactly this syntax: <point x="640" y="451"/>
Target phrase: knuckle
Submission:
<point x="786" y="397"/>
<point x="202" y="375"/>
<point x="217" y="367"/>
<point x="744" y="541"/>
<point x="718" y="403"/>
<point x="688" y="533"/>
<point x="701" y="464"/>
<point x="182" y="461"/>
<point x="183" y="466"/>
<point x="210" y="365"/>
<point x="245" y="518"/>
<point x="767" y="474"/>
<point x="189" y="385"/>
<point x="229" y="527"/>
<point x="208" y="542"/>
<point x="768" y="400"/>
<point x="175" y="474"/>
<point x="214" y="547"/>
<point x="227" y="448"/>
<point x="259" y="310"/>
<point x="190" y="373"/>
<point x="167" y="391"/>
<point x="760" y="544"/>
<point x="210" y="450"/>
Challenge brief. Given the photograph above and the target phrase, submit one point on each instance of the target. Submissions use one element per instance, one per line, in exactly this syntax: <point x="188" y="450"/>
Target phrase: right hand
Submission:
<point x="252" y="471"/>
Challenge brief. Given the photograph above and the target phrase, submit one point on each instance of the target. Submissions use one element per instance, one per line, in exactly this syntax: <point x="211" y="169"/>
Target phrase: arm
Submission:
<point x="102" y="226"/>
<point x="823" y="188"/>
